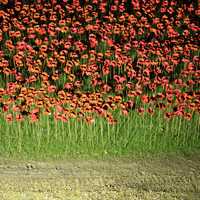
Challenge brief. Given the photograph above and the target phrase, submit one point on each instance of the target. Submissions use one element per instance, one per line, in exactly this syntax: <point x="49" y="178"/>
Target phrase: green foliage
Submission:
<point x="134" y="134"/>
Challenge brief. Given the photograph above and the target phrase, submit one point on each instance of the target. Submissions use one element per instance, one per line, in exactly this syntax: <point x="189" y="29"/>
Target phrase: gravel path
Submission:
<point x="173" y="178"/>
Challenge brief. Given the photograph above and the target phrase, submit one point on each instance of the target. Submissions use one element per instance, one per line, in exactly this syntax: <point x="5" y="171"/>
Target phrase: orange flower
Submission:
<point x="112" y="121"/>
<point x="124" y="112"/>
<point x="117" y="99"/>
<point x="55" y="76"/>
<point x="51" y="88"/>
<point x="5" y="108"/>
<point x="140" y="110"/>
<point x="35" y="111"/>
<point x="33" y="118"/>
<point x="38" y="41"/>
<point x="68" y="86"/>
<point x="19" y="117"/>
<point x="9" y="117"/>
<point x="47" y="111"/>
<point x="145" y="99"/>
<point x="17" y="34"/>
<point x="89" y="119"/>
<point x="44" y="76"/>
<point x="150" y="111"/>
<point x="61" y="94"/>
<point x="43" y="48"/>
<point x="4" y="2"/>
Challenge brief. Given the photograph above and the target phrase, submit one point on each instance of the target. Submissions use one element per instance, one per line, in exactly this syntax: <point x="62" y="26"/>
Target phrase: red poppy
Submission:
<point x="19" y="117"/>
<point x="188" y="116"/>
<point x="145" y="99"/>
<point x="9" y="117"/>
<point x="5" y="108"/>
<point x="68" y="86"/>
<point x="89" y="119"/>
<point x="4" y="2"/>
<point x="140" y="110"/>
<point x="47" y="111"/>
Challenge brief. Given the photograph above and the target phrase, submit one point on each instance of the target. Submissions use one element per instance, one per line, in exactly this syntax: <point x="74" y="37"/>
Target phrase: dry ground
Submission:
<point x="152" y="178"/>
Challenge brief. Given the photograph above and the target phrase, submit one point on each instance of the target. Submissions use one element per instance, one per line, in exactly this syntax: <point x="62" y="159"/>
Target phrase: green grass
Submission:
<point x="133" y="135"/>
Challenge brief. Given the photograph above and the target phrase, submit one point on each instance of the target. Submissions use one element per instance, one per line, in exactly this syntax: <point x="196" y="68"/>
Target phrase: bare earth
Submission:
<point x="166" y="178"/>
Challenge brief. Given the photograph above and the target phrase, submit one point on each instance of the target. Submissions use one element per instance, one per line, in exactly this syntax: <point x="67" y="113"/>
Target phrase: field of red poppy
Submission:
<point x="97" y="77"/>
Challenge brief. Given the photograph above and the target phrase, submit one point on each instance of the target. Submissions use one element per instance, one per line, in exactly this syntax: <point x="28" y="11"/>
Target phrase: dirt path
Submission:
<point x="113" y="179"/>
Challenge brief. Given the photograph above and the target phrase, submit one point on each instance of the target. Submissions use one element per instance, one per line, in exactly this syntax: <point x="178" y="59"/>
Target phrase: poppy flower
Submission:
<point x="16" y="108"/>
<point x="5" y="108"/>
<point x="106" y="88"/>
<point x="124" y="112"/>
<point x="145" y="99"/>
<point x="55" y="76"/>
<point x="68" y="86"/>
<point x="51" y="88"/>
<point x="47" y="111"/>
<point x="19" y="117"/>
<point x="89" y="119"/>
<point x="9" y="117"/>
<point x="112" y="121"/>
<point x="4" y="2"/>
<point x="188" y="116"/>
